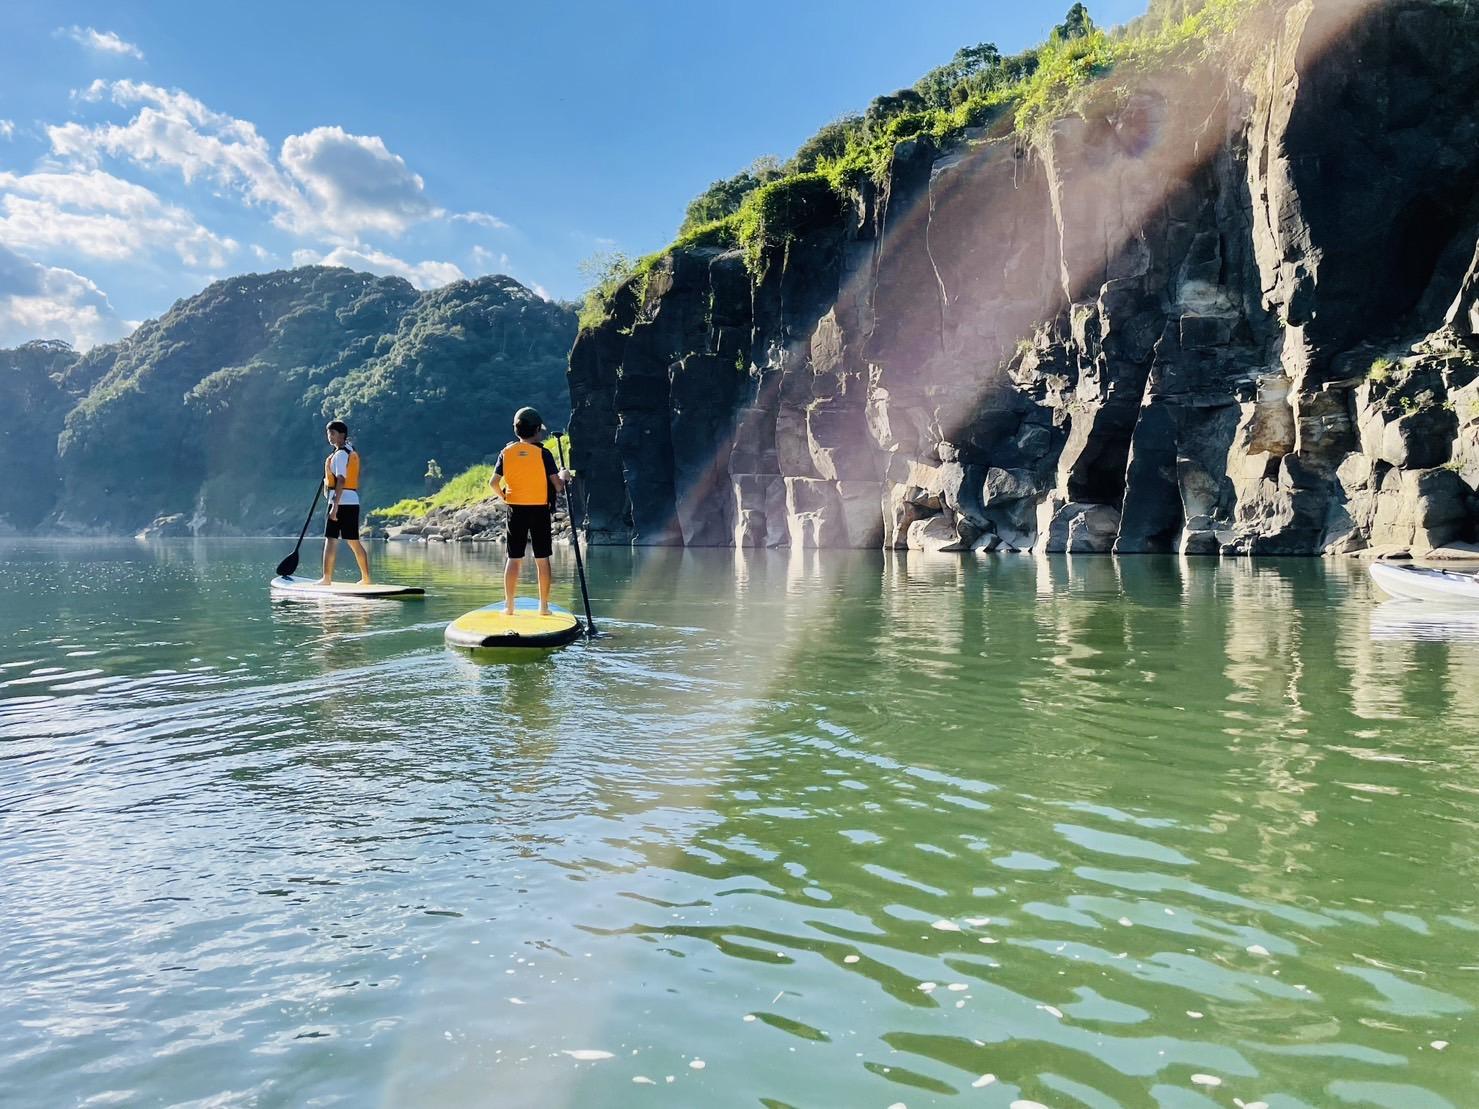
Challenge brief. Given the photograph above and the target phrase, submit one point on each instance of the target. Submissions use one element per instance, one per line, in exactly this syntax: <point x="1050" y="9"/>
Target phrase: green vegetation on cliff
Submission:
<point x="769" y="204"/>
<point x="468" y="487"/>
<point x="216" y="410"/>
<point x="34" y="403"/>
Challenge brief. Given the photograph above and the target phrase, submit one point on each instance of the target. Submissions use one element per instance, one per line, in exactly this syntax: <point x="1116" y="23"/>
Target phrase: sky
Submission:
<point x="147" y="149"/>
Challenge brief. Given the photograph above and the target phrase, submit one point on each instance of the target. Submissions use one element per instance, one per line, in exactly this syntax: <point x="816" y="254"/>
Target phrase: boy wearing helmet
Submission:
<point x="526" y="478"/>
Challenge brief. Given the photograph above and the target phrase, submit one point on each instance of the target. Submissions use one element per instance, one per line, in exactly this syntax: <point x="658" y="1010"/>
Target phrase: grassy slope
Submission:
<point x="768" y="216"/>
<point x="468" y="487"/>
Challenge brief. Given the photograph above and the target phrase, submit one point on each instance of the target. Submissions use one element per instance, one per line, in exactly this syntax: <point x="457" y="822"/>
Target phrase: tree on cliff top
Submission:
<point x="723" y="198"/>
<point x="1076" y="25"/>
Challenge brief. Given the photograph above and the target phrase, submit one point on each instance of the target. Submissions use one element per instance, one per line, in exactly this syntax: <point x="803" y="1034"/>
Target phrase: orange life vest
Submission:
<point x="350" y="481"/>
<point x="524" y="478"/>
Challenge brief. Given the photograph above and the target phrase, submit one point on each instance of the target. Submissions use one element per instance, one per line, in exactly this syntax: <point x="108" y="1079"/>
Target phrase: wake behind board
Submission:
<point x="488" y="628"/>
<point x="309" y="587"/>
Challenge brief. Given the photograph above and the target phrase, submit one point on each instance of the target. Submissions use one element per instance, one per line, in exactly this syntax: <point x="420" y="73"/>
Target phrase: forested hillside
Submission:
<point x="216" y="410"/>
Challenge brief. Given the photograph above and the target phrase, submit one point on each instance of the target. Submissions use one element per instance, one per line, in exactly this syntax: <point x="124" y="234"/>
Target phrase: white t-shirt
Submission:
<point x="339" y="467"/>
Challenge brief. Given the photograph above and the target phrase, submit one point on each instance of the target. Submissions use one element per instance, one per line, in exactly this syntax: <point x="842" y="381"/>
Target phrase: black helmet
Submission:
<point x="527" y="422"/>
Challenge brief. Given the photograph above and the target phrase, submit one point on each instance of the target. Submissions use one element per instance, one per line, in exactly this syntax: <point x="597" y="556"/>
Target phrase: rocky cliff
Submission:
<point x="1227" y="306"/>
<point x="214" y="413"/>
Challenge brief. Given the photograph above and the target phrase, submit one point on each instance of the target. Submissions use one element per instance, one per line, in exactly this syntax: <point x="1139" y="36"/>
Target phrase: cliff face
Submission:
<point x="1233" y="310"/>
<point x="214" y="413"/>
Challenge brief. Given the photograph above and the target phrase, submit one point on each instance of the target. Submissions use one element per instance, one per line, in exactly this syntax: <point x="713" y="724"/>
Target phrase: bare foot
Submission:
<point x="545" y="612"/>
<point x="324" y="581"/>
<point x="364" y="581"/>
<point x="508" y="610"/>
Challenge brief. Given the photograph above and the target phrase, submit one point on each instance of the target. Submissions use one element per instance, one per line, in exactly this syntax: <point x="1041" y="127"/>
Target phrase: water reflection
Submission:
<point x="844" y="828"/>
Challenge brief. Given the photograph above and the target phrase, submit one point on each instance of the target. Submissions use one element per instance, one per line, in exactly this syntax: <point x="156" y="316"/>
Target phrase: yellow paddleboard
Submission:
<point x="488" y="627"/>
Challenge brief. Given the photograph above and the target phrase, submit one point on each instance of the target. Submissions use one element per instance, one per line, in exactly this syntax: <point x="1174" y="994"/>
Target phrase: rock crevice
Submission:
<point x="1216" y="312"/>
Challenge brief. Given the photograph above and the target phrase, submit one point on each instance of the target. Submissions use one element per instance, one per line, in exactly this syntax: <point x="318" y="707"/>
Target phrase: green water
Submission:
<point x="1158" y="832"/>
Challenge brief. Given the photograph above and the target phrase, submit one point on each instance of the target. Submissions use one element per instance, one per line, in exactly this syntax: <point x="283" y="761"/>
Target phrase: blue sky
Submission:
<point x="148" y="149"/>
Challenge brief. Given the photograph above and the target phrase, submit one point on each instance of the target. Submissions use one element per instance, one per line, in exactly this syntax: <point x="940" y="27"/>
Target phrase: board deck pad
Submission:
<point x="309" y="587"/>
<point x="488" y="627"/>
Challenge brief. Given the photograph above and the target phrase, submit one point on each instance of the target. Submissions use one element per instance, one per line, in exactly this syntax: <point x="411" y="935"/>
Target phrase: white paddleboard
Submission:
<point x="309" y="587"/>
<point x="1423" y="583"/>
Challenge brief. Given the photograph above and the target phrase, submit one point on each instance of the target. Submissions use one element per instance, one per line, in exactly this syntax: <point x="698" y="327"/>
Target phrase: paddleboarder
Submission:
<point x="526" y="478"/>
<point x="341" y="482"/>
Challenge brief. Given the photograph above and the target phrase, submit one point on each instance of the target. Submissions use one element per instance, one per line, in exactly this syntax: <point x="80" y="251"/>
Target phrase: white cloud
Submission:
<point x="423" y="275"/>
<point x="325" y="184"/>
<point x="481" y="219"/>
<point x="102" y="216"/>
<point x="487" y="260"/>
<point x="38" y="301"/>
<point x="261" y="252"/>
<point x="541" y="292"/>
<point x="105" y="42"/>
<point x="7" y="128"/>
<point x="358" y="184"/>
<point x="175" y="130"/>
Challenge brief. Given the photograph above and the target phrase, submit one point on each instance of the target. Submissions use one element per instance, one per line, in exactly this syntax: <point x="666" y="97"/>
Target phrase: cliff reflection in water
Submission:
<point x="844" y="827"/>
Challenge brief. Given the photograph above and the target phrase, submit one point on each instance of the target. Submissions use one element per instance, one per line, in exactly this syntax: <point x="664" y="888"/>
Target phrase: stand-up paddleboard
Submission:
<point x="488" y="628"/>
<point x="1423" y="583"/>
<point x="309" y="587"/>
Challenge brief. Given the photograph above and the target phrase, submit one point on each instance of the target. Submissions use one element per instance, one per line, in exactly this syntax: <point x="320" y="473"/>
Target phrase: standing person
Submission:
<point x="341" y="481"/>
<point x="526" y="478"/>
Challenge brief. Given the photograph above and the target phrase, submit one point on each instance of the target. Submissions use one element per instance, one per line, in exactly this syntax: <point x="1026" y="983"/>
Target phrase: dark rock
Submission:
<point x="1151" y="328"/>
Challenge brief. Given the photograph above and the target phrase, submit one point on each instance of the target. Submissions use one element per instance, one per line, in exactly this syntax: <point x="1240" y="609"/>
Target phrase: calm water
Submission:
<point x="845" y="830"/>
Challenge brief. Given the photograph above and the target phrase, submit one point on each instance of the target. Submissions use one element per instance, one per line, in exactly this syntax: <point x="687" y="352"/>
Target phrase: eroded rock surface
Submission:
<point x="1229" y="312"/>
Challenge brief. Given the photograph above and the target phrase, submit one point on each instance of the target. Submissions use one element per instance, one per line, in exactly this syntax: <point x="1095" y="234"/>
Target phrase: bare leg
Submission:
<point x="510" y="584"/>
<point x="541" y="566"/>
<point x="331" y="548"/>
<point x="363" y="559"/>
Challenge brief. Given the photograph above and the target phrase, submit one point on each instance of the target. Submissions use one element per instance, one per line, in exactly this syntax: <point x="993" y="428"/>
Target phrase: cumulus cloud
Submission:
<point x="7" y="128"/>
<point x="102" y="216"/>
<point x="175" y="130"/>
<point x="39" y="301"/>
<point x="358" y="184"/>
<point x="105" y="42"/>
<point x="423" y="275"/>
<point x="325" y="183"/>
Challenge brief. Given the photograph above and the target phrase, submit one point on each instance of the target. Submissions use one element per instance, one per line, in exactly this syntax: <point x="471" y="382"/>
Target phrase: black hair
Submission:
<point x="337" y="425"/>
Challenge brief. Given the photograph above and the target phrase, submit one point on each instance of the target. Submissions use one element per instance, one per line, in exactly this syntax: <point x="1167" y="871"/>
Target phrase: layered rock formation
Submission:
<point x="1224" y="309"/>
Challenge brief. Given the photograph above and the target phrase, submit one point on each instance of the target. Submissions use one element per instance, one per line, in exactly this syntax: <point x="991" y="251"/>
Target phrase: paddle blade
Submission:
<point x="286" y="567"/>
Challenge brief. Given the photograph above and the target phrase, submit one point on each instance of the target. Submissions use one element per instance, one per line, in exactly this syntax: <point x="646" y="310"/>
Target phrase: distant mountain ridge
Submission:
<point x="215" y="411"/>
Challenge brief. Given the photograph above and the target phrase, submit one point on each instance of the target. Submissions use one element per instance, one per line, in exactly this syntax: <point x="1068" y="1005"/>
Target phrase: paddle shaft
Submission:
<point x="590" y="623"/>
<point x="291" y="562"/>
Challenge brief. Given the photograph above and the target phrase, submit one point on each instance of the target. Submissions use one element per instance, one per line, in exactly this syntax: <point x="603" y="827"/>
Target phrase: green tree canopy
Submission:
<point x="1076" y="25"/>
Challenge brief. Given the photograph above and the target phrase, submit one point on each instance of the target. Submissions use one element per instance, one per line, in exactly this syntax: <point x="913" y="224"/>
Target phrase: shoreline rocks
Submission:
<point x="483" y="521"/>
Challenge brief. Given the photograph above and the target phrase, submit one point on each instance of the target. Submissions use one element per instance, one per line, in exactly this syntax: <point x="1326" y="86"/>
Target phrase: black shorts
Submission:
<point x="529" y="521"/>
<point x="346" y="527"/>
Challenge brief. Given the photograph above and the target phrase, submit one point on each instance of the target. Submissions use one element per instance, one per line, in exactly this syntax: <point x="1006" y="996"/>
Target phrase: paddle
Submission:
<point x="286" y="567"/>
<point x="590" y="624"/>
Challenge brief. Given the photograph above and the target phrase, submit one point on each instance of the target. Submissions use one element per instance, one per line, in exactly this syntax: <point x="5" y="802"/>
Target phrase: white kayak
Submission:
<point x="309" y="587"/>
<point x="1424" y="583"/>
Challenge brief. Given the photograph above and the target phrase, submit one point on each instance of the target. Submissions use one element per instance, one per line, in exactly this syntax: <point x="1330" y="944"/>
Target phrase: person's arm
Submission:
<point x="339" y="467"/>
<point x="495" y="483"/>
<point x="558" y="478"/>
